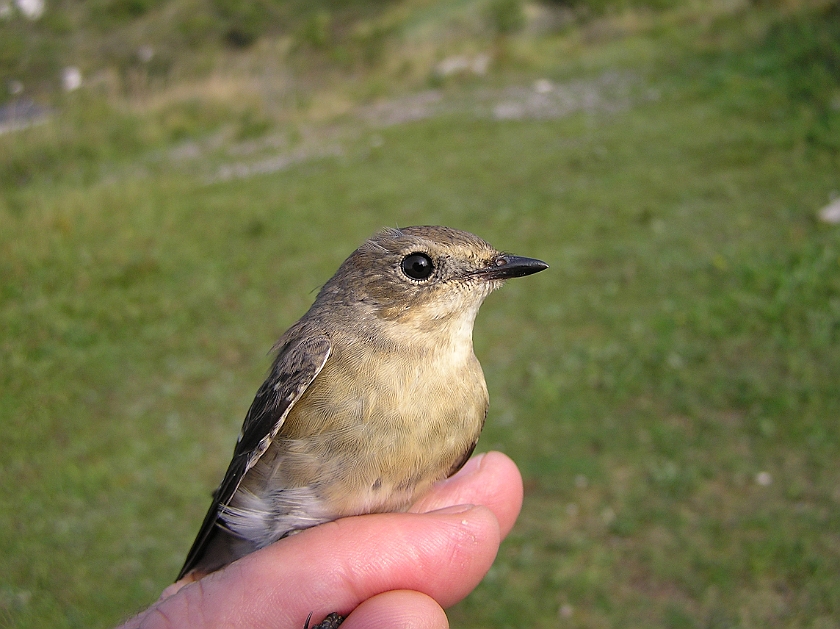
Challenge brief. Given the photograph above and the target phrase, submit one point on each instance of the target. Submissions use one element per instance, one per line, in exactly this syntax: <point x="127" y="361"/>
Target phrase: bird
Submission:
<point x="374" y="395"/>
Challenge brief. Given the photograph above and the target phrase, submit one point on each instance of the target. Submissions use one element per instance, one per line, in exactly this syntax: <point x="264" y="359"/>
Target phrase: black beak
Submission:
<point x="507" y="266"/>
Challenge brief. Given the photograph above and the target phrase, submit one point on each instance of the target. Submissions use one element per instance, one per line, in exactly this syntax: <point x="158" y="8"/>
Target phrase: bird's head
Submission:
<point x="423" y="275"/>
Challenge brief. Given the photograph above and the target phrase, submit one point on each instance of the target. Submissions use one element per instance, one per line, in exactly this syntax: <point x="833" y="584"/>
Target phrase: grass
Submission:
<point x="668" y="388"/>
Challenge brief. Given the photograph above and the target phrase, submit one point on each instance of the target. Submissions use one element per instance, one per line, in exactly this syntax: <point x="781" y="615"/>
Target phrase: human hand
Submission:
<point x="384" y="570"/>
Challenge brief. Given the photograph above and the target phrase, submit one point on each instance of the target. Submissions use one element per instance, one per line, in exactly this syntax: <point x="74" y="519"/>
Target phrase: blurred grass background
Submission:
<point x="669" y="388"/>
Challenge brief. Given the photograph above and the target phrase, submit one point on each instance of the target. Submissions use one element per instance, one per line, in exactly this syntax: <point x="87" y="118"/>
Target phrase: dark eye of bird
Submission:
<point x="418" y="266"/>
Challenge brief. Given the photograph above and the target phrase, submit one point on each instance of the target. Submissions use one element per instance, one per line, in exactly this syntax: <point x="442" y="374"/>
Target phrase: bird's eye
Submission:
<point x="418" y="266"/>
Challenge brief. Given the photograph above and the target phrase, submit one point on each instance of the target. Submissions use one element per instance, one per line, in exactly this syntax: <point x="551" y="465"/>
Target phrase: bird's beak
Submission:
<point x="506" y="266"/>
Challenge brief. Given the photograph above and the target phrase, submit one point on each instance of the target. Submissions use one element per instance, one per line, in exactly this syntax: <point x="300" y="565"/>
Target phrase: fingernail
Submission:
<point x="472" y="466"/>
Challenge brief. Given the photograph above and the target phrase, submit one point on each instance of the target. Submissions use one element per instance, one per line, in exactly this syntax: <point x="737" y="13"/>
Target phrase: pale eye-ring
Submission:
<point x="417" y="266"/>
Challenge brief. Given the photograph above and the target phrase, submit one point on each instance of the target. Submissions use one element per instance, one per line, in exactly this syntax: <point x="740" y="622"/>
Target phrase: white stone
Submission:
<point x="33" y="9"/>
<point x="452" y="65"/>
<point x="458" y="64"/>
<point x="71" y="78"/>
<point x="831" y="212"/>
<point x="145" y="53"/>
<point x="764" y="479"/>
<point x="543" y="86"/>
<point x="509" y="111"/>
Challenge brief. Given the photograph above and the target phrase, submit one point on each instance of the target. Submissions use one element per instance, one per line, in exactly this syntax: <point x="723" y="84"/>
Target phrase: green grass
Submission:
<point x="685" y="340"/>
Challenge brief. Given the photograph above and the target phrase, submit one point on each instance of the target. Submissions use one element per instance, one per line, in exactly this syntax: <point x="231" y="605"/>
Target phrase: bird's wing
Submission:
<point x="297" y="364"/>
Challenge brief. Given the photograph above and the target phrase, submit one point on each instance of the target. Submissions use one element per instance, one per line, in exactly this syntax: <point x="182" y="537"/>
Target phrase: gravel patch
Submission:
<point x="608" y="93"/>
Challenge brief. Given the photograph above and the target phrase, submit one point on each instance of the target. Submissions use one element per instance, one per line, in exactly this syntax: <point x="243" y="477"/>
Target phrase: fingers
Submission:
<point x="490" y="479"/>
<point x="443" y="554"/>
<point x="399" y="609"/>
<point x="389" y="569"/>
<point x="336" y="567"/>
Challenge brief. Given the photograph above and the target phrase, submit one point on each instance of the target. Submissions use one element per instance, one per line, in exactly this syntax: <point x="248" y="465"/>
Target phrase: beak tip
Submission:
<point x="509" y="266"/>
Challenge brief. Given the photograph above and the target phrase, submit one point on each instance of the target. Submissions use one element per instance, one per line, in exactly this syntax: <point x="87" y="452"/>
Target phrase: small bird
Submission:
<point x="375" y="394"/>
